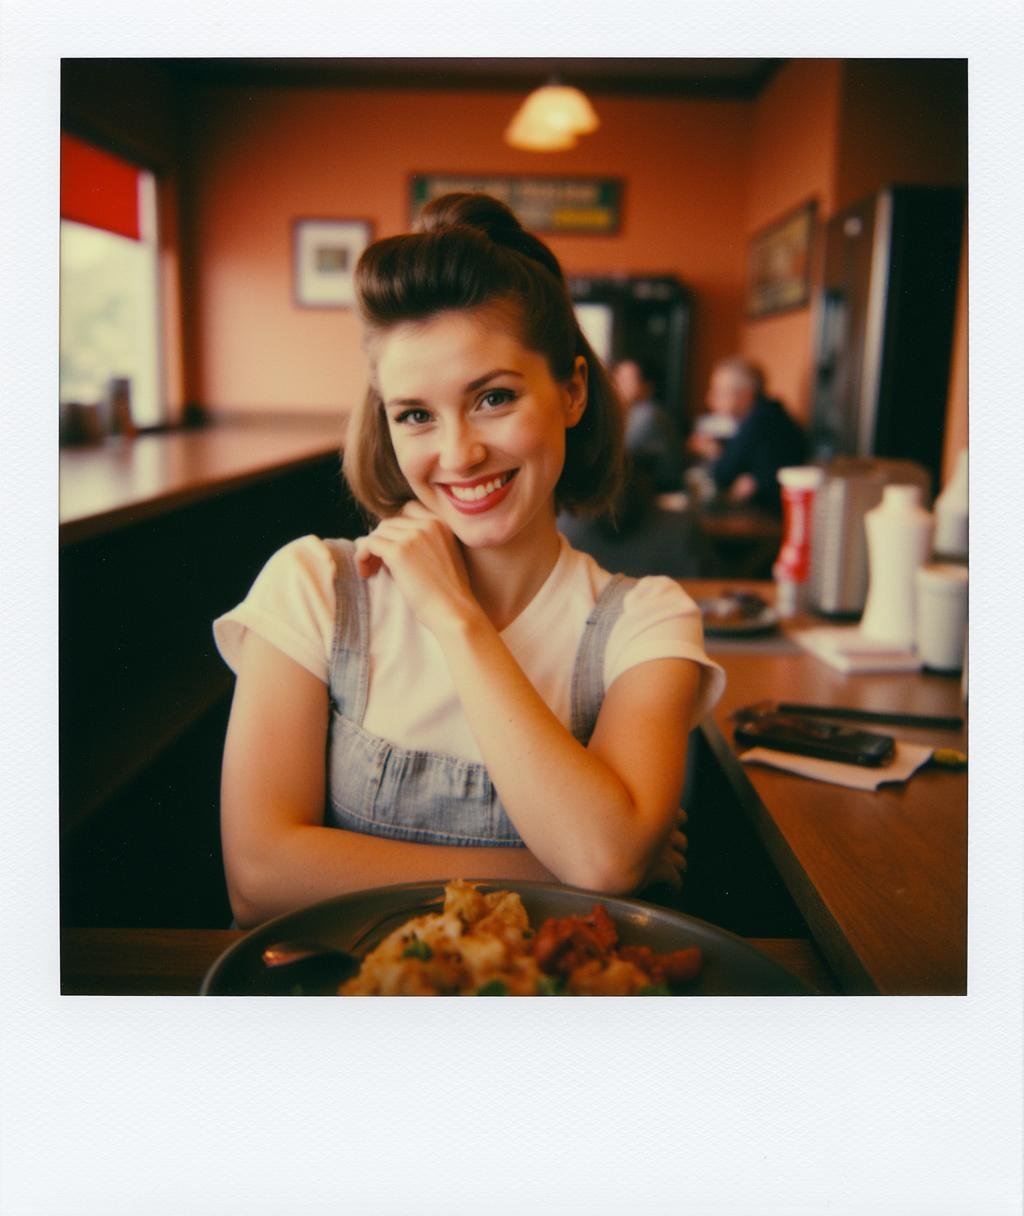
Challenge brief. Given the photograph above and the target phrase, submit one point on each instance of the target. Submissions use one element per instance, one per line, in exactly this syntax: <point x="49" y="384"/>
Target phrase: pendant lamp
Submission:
<point x="551" y="118"/>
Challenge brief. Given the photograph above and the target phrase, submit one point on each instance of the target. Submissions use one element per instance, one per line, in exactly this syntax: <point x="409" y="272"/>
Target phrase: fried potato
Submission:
<point x="482" y="944"/>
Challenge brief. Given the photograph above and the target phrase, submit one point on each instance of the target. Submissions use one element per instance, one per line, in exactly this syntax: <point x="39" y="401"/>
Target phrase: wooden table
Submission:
<point x="744" y="540"/>
<point x="880" y="878"/>
<point x="172" y="962"/>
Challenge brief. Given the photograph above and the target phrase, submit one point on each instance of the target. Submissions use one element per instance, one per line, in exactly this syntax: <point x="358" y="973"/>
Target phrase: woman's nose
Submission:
<point x="461" y="448"/>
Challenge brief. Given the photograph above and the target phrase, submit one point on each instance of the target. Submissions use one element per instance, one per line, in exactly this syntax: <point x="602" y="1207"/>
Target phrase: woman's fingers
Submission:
<point x="414" y="509"/>
<point x="371" y="550"/>
<point x="422" y="556"/>
<point x="367" y="562"/>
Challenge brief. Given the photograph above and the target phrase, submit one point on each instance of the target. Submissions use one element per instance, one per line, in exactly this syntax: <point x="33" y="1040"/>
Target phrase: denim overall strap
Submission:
<point x="588" y="671"/>
<point x="377" y="787"/>
<point x="350" y="676"/>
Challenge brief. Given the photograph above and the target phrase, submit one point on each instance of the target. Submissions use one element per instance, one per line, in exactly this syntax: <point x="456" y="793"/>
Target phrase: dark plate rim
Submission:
<point x="765" y="621"/>
<point x="428" y="888"/>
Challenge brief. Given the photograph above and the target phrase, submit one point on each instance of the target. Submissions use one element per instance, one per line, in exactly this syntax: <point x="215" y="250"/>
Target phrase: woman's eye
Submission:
<point x="412" y="417"/>
<point x="495" y="397"/>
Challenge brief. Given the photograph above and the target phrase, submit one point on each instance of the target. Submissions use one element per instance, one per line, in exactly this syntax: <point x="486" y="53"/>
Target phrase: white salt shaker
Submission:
<point x="942" y="616"/>
<point x="899" y="535"/>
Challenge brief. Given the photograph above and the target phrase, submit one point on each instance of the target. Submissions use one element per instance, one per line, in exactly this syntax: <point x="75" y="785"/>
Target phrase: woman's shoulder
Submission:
<point x="648" y="591"/>
<point x="303" y="571"/>
<point x="659" y="593"/>
<point x="291" y="604"/>
<point x="307" y="555"/>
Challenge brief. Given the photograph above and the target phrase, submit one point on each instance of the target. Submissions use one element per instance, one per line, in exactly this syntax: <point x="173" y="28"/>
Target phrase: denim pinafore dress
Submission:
<point x="381" y="789"/>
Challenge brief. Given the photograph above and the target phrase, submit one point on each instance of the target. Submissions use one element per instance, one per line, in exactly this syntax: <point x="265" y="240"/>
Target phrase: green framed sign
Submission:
<point x="589" y="206"/>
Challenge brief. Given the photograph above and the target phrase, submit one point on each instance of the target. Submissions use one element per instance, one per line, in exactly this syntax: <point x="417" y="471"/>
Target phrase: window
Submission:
<point x="109" y="317"/>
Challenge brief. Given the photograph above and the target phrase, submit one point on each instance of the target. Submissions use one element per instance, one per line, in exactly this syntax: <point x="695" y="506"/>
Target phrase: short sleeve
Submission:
<point x="290" y="605"/>
<point x="660" y="621"/>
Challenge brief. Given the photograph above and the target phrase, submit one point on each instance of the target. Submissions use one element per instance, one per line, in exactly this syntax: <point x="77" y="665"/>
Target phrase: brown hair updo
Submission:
<point x="469" y="252"/>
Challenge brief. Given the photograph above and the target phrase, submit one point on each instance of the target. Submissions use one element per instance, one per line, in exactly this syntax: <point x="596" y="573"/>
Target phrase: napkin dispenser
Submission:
<point x="838" y="580"/>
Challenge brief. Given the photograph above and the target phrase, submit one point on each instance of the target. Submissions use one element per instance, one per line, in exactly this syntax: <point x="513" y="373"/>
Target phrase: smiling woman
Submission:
<point x="459" y="691"/>
<point x="477" y="442"/>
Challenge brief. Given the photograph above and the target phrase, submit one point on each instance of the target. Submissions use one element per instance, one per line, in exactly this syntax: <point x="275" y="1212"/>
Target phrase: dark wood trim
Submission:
<point x="649" y="77"/>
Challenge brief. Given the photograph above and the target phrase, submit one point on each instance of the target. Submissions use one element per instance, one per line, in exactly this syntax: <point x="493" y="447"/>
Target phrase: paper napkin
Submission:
<point x="846" y="648"/>
<point x="907" y="759"/>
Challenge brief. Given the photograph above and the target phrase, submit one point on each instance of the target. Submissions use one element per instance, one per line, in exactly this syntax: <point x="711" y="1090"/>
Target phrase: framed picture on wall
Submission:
<point x="779" y="263"/>
<point x="325" y="254"/>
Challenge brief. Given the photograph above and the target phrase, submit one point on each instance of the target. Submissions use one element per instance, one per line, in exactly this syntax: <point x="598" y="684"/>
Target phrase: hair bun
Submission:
<point x="465" y="210"/>
<point x="491" y="217"/>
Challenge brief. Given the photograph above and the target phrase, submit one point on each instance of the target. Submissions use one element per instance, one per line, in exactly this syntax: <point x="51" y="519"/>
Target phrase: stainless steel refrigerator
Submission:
<point x="884" y="326"/>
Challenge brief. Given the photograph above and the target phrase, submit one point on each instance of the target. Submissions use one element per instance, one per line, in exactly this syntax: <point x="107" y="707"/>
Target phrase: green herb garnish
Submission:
<point x="417" y="949"/>
<point x="549" y="985"/>
<point x="493" y="988"/>
<point x="655" y="990"/>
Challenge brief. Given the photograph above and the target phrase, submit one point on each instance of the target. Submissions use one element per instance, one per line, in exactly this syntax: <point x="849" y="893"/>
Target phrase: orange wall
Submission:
<point x="700" y="178"/>
<point x="261" y="157"/>
<point x="795" y="125"/>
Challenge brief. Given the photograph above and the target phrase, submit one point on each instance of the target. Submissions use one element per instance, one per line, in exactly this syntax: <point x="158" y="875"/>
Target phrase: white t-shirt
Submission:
<point x="411" y="700"/>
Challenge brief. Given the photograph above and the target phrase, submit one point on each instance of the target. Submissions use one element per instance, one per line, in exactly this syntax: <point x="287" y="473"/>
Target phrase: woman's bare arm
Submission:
<point x="278" y="855"/>
<point x="595" y="816"/>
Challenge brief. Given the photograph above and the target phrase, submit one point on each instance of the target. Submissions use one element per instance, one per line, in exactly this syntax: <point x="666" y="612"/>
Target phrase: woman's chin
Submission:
<point x="476" y="534"/>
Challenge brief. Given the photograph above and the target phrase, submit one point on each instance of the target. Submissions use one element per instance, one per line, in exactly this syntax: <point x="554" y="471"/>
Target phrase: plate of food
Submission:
<point x="504" y="938"/>
<point x="737" y="614"/>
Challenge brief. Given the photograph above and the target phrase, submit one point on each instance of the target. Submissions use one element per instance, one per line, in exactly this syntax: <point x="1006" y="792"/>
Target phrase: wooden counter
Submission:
<point x="880" y="878"/>
<point x="120" y="481"/>
<point x="159" y="535"/>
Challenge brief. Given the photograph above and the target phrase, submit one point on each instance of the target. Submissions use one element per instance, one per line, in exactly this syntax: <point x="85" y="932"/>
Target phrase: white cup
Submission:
<point x="942" y="616"/>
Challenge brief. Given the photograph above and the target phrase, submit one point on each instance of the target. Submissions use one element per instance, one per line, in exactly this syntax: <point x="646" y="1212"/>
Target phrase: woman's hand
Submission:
<point x="669" y="865"/>
<point x="422" y="555"/>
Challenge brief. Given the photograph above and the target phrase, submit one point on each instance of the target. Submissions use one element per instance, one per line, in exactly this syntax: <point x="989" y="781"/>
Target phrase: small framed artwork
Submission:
<point x="326" y="252"/>
<point x="779" y="263"/>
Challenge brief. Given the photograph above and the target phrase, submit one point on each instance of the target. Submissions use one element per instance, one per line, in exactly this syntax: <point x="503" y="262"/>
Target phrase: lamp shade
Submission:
<point x="533" y="136"/>
<point x="550" y="119"/>
<point x="562" y="108"/>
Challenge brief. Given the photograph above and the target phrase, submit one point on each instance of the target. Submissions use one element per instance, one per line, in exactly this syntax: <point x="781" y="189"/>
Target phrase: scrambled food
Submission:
<point x="483" y="945"/>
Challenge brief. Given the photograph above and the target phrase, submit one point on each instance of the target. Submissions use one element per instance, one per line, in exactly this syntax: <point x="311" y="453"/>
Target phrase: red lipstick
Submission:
<point x="479" y="502"/>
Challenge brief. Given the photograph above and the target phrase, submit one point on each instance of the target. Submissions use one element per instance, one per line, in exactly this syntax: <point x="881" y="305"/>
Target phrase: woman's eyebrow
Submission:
<point x="471" y="387"/>
<point x="403" y="402"/>
<point x="480" y="381"/>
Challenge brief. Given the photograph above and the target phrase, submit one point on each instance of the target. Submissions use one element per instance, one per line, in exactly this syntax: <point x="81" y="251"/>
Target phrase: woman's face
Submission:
<point x="478" y="423"/>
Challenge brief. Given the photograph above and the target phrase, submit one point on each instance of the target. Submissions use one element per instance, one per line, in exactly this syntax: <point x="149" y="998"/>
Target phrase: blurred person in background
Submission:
<point x="637" y="536"/>
<point x="745" y="466"/>
<point x="650" y="432"/>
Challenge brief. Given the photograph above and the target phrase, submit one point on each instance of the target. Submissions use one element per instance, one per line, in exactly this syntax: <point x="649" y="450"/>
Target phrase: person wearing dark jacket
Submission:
<point x="745" y="467"/>
<point x="650" y="433"/>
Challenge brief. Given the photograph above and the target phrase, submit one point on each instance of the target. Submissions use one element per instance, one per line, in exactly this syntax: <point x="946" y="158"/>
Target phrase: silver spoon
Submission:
<point x="288" y="953"/>
<point x="305" y="968"/>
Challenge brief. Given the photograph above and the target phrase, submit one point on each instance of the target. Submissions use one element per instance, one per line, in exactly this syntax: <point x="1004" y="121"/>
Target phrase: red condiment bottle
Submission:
<point x="792" y="567"/>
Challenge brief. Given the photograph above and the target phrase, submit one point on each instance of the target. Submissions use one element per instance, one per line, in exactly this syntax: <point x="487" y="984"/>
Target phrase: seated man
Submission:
<point x="650" y="432"/>
<point x="745" y="467"/>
